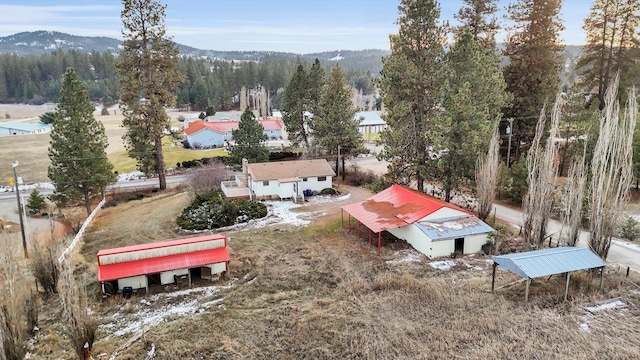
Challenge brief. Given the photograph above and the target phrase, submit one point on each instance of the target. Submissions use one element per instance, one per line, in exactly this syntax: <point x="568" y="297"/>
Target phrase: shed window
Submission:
<point x="322" y="178"/>
<point x="304" y="179"/>
<point x="265" y="183"/>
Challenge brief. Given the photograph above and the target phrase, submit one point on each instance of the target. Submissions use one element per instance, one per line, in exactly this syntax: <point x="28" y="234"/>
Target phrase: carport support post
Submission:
<point x="493" y="276"/>
<point x="566" y="286"/>
<point x="601" y="278"/>
<point x="370" y="237"/>
<point x="379" y="241"/>
<point x="526" y="292"/>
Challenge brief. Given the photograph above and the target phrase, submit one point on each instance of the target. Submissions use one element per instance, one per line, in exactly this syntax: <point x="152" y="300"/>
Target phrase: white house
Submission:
<point x="369" y="122"/>
<point x="432" y="226"/>
<point x="20" y="128"/>
<point x="288" y="179"/>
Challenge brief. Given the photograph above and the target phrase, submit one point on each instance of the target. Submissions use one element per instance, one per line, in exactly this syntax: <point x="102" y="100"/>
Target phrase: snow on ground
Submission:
<point x="405" y="256"/>
<point x="442" y="265"/>
<point x="155" y="309"/>
<point x="606" y="306"/>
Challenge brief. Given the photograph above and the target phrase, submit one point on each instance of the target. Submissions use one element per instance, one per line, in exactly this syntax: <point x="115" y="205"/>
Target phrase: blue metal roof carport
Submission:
<point x="533" y="264"/>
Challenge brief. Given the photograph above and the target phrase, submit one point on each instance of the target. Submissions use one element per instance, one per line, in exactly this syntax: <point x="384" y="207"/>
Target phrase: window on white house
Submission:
<point x="304" y="179"/>
<point x="265" y="183"/>
<point x="322" y="178"/>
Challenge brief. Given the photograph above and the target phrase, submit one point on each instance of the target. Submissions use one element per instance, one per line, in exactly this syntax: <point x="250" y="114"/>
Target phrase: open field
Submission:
<point x="32" y="150"/>
<point x="318" y="291"/>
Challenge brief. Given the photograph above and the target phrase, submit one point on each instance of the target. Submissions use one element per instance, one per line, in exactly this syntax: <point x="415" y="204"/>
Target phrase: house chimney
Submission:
<point x="245" y="172"/>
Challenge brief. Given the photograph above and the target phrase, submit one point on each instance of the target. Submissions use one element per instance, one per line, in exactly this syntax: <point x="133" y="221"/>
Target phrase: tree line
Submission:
<point x="207" y="82"/>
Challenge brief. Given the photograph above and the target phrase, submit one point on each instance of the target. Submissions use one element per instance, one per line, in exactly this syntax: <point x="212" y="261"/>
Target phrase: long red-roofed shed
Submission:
<point x="132" y="265"/>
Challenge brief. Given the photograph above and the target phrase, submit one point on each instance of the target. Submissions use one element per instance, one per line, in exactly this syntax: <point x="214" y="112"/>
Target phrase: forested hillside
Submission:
<point x="208" y="82"/>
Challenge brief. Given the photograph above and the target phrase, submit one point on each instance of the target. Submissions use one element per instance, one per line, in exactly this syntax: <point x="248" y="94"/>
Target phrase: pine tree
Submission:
<point x="478" y="17"/>
<point x="612" y="45"/>
<point x="294" y="107"/>
<point x="36" y="201"/>
<point x="535" y="61"/>
<point x="249" y="141"/>
<point x="474" y="98"/>
<point x="411" y="87"/>
<point x="79" y="166"/>
<point x="315" y="81"/>
<point x="334" y="123"/>
<point x="147" y="68"/>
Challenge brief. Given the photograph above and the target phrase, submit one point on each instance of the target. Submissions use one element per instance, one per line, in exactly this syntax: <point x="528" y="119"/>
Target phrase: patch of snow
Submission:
<point x="136" y="175"/>
<point x="405" y="256"/>
<point x="626" y="244"/>
<point x="584" y="325"/>
<point x="196" y="300"/>
<point x="605" y="306"/>
<point x="442" y="265"/>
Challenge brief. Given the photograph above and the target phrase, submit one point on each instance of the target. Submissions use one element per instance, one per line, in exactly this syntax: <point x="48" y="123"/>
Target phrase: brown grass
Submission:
<point x="320" y="292"/>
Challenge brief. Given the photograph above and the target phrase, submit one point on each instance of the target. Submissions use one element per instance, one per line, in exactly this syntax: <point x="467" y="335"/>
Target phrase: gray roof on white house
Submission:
<point x="369" y="118"/>
<point x="24" y="126"/>
<point x="545" y="262"/>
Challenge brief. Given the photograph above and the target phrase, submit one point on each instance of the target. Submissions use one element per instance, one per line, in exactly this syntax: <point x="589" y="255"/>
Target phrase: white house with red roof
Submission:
<point x="162" y="263"/>
<point x="432" y="226"/>
<point x="204" y="134"/>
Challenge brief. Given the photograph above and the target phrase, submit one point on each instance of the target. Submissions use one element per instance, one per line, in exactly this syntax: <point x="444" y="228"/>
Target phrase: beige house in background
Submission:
<point x="281" y="180"/>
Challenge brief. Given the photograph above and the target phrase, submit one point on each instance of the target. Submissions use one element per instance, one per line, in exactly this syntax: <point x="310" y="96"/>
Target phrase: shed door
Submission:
<point x="459" y="246"/>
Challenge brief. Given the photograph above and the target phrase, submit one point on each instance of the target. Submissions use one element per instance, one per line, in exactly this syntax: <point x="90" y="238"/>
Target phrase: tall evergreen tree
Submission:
<point x="474" y="98"/>
<point x="535" y="61"/>
<point x="79" y="166"/>
<point x="315" y="82"/>
<point x="478" y="17"/>
<point x="294" y="107"/>
<point x="411" y="87"/>
<point x="249" y="141"/>
<point x="612" y="45"/>
<point x="334" y="123"/>
<point x="147" y="68"/>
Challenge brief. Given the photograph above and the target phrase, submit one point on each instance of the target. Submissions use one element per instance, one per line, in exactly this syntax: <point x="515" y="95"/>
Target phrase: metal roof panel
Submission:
<point x="545" y="262"/>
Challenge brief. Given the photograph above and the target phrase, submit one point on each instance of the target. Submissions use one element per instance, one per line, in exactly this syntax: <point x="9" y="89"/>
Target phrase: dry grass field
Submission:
<point x="321" y="292"/>
<point x="32" y="150"/>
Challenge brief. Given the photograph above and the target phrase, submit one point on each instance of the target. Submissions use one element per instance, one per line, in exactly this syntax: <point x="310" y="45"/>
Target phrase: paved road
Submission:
<point x="621" y="252"/>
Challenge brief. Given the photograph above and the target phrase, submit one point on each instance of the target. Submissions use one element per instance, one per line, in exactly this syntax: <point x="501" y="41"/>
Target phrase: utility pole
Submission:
<point x="24" y="239"/>
<point x="509" y="131"/>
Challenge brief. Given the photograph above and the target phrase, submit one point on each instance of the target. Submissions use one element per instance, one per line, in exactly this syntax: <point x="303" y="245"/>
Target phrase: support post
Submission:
<point x="370" y="237"/>
<point x="24" y="238"/>
<point x="379" y="242"/>
<point x="341" y="217"/>
<point x="601" y="278"/>
<point x="566" y="286"/>
<point x="359" y="229"/>
<point x="526" y="292"/>
<point x="493" y="276"/>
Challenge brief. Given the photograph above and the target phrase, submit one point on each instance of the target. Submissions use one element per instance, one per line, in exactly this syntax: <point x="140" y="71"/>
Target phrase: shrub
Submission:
<point x="629" y="229"/>
<point x="181" y="118"/>
<point x="328" y="191"/>
<point x="212" y="210"/>
<point x="104" y="111"/>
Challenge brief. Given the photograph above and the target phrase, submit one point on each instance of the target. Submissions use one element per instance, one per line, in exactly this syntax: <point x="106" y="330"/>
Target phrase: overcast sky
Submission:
<point x="298" y="26"/>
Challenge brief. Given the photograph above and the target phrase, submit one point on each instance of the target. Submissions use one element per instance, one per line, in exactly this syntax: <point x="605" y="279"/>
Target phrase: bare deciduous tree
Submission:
<point x="44" y="266"/>
<point x="611" y="168"/>
<point x="207" y="178"/>
<point x="540" y="179"/>
<point x="81" y="326"/>
<point x="573" y="197"/>
<point x="487" y="176"/>
<point x="18" y="308"/>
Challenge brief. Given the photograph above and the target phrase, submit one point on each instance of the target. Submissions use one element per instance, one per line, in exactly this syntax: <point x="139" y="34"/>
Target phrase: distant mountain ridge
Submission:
<point x="44" y="42"/>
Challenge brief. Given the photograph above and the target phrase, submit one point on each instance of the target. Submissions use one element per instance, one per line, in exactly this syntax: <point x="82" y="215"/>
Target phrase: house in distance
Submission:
<point x="280" y="180"/>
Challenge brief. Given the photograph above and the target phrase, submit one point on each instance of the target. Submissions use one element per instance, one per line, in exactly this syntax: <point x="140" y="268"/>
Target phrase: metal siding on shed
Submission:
<point x="160" y="264"/>
<point x="545" y="262"/>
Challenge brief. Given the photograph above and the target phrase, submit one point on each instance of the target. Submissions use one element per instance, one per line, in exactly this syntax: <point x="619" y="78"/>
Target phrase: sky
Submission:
<point x="298" y="26"/>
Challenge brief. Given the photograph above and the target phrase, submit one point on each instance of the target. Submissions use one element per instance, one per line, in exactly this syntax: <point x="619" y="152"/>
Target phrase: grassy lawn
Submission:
<point x="173" y="154"/>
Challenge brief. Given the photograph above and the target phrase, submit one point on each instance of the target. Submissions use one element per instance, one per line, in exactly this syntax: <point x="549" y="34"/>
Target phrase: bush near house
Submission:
<point x="213" y="210"/>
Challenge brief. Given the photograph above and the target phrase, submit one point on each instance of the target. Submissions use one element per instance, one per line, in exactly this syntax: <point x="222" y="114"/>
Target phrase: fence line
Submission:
<point x="81" y="232"/>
